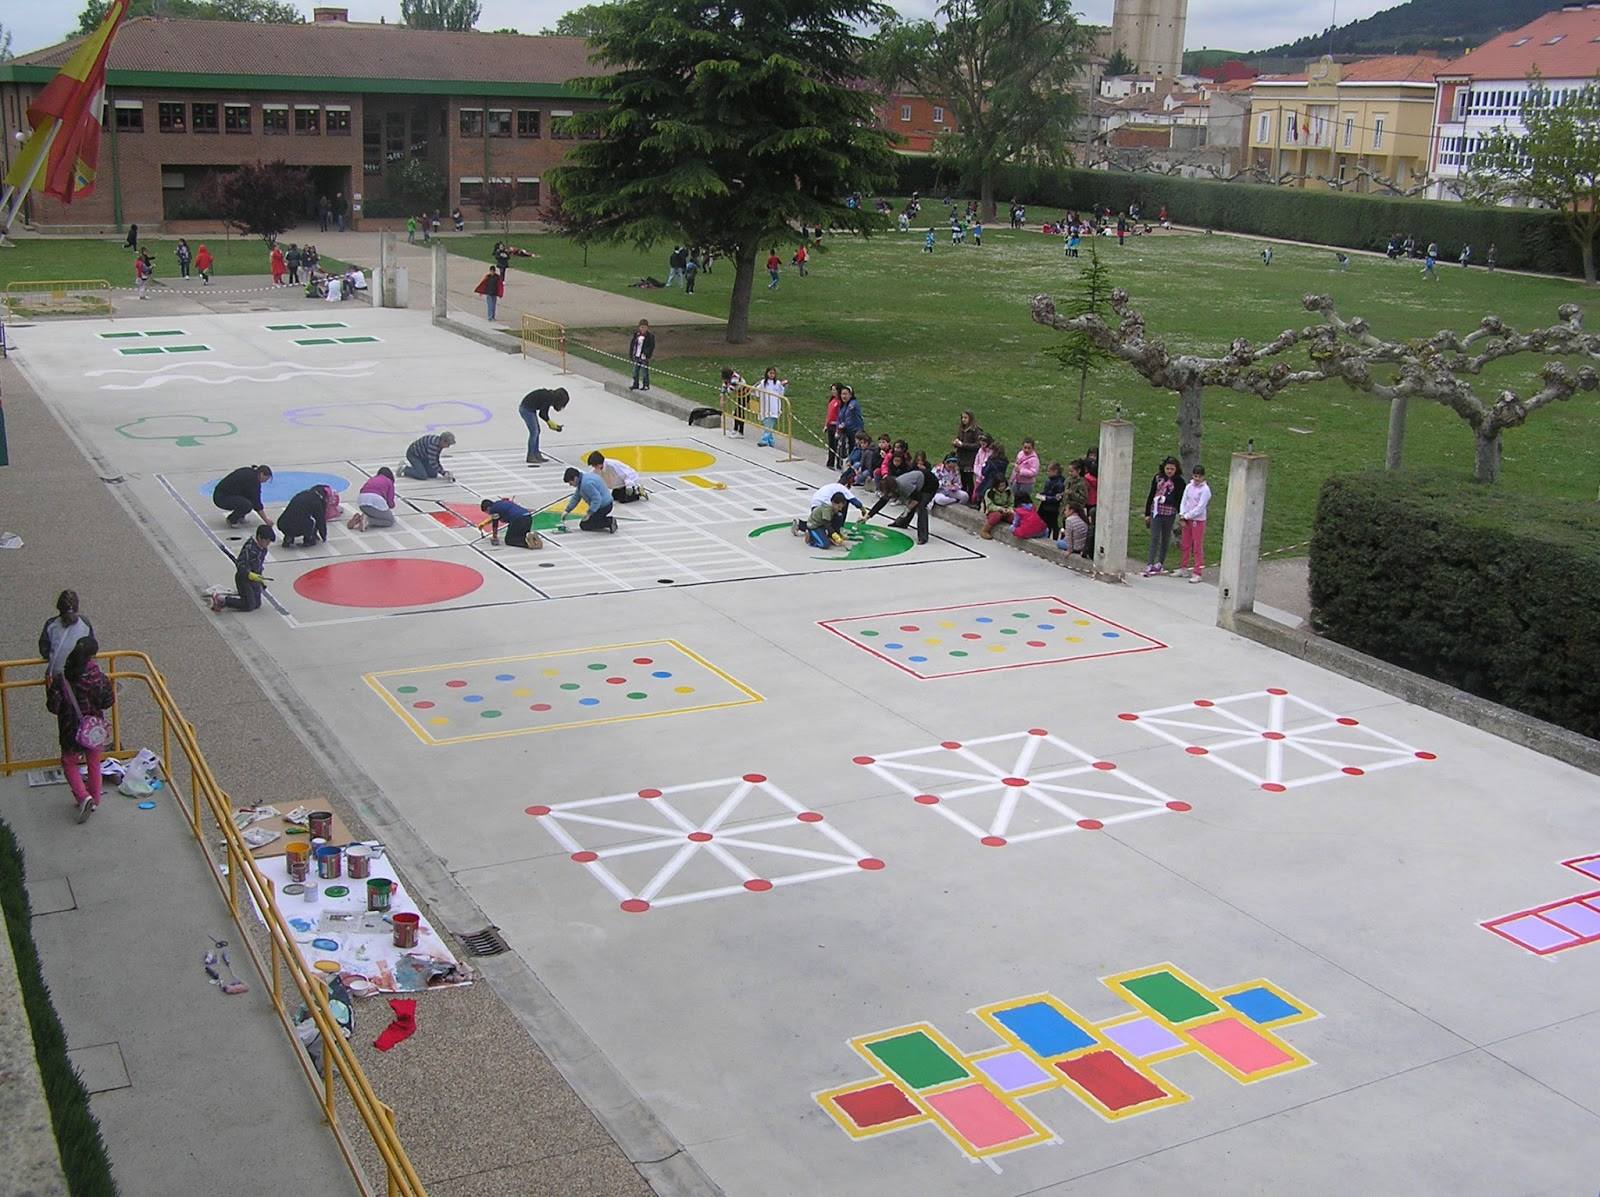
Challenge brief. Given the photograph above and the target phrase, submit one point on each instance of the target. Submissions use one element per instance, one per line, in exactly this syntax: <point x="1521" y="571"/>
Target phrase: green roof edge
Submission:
<point x="23" y="73"/>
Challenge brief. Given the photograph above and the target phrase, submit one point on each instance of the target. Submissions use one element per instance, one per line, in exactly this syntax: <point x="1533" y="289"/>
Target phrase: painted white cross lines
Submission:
<point x="1279" y="752"/>
<point x="1021" y="786"/>
<point x="659" y="821"/>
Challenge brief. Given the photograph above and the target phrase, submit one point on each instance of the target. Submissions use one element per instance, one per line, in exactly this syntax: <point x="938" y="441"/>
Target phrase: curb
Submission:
<point x="31" y="1158"/>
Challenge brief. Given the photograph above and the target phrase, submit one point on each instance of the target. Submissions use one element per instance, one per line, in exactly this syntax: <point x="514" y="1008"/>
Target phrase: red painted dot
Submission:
<point x="1058" y="610"/>
<point x="424" y="705"/>
<point x="909" y="627"/>
<point x="755" y="778"/>
<point x="1426" y="756"/>
<point x="1037" y="731"/>
<point x="700" y="837"/>
<point x="1128" y="718"/>
<point x="1272" y="735"/>
<point x="585" y="857"/>
<point x="1179" y="806"/>
<point x="387" y="582"/>
<point x="1036" y="644"/>
<point x="993" y="841"/>
<point x="1346" y="721"/>
<point x="643" y="661"/>
<point x="971" y="636"/>
<point x="757" y="885"/>
<point x="1353" y="771"/>
<point x="927" y="799"/>
<point x="1090" y="824"/>
<point x="456" y="685"/>
<point x="636" y="906"/>
<point x="1016" y="782"/>
<point x="950" y="744"/>
<point x="1104" y="766"/>
<point x="1204" y="702"/>
<point x="870" y="863"/>
<point x="649" y="793"/>
<point x="862" y="760"/>
<point x="1273" y="787"/>
<point x="1196" y="751"/>
<point x="536" y="810"/>
<point x="1275" y="690"/>
<point x="540" y="706"/>
<point x="615" y="681"/>
<point x="809" y="816"/>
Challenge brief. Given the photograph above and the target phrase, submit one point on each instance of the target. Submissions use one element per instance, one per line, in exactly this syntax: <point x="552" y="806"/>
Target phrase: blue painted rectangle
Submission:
<point x="1045" y="1030"/>
<point x="1261" y="1005"/>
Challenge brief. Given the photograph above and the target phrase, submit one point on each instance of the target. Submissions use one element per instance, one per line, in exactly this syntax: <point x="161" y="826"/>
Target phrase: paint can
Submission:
<point x="379" y="890"/>
<point x="298" y="859"/>
<point x="358" y="860"/>
<point x="405" y="929"/>
<point x="310" y="894"/>
<point x="328" y="865"/>
<point x="320" y="823"/>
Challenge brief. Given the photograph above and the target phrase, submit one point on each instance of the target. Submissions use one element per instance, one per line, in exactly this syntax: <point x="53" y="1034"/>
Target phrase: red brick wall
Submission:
<point x="919" y="133"/>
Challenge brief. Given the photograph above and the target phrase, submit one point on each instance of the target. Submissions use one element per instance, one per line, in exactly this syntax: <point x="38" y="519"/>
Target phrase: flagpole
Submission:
<point x="11" y="201"/>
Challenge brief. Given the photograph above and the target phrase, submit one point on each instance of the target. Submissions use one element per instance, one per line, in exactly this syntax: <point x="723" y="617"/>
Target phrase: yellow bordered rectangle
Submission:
<point x="1307" y="1014"/>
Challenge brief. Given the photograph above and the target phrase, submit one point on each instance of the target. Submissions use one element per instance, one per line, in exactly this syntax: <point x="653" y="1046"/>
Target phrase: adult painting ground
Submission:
<point x="924" y="870"/>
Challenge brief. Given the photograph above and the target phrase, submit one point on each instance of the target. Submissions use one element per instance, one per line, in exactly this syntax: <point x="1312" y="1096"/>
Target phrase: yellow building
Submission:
<point x="1341" y="124"/>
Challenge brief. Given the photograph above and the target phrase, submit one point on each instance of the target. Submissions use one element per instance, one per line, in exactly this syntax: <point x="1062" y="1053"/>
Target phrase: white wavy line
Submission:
<point x="202" y="365"/>
<point x="290" y="370"/>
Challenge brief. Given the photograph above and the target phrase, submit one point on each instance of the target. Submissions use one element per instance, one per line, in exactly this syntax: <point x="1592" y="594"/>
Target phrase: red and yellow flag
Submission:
<point x="65" y="117"/>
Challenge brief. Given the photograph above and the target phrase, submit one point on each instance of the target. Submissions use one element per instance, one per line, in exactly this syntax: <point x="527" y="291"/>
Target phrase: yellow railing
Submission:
<point x="547" y="335"/>
<point x="57" y="288"/>
<point x="743" y="404"/>
<point x="209" y="813"/>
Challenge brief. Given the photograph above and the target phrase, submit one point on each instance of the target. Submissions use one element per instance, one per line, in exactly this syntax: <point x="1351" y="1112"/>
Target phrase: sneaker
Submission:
<point x="1149" y="572"/>
<point x="537" y="459"/>
<point x="798" y="528"/>
<point x="1158" y="569"/>
<point x="1193" y="578"/>
<point x="987" y="534"/>
<point x="85" y="809"/>
<point x="217" y="603"/>
<point x="611" y="524"/>
<point x="643" y="494"/>
<point x="1184" y="572"/>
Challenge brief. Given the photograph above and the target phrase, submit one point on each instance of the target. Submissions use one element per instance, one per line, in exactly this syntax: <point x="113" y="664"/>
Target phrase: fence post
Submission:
<point x="441" y="283"/>
<point x="1241" y="536"/>
<point x="1115" y="495"/>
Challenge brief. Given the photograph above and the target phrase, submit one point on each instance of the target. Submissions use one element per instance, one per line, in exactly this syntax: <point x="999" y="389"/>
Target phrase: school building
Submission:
<point x="349" y="101"/>
<point x="917" y="121"/>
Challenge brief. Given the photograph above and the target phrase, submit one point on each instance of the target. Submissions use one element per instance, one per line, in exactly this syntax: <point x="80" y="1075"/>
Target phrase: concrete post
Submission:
<point x="441" y="283"/>
<point x="1241" y="536"/>
<point x="383" y="279"/>
<point x="1116" y="492"/>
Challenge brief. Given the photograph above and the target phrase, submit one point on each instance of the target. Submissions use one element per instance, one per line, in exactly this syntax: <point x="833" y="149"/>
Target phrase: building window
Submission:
<point x="338" y="122"/>
<point x="1521" y="41"/>
<point x="307" y="120"/>
<point x="204" y="117"/>
<point x="1264" y="128"/>
<point x="236" y="118"/>
<point x="1555" y="39"/>
<point x="472" y="122"/>
<point x="130" y="116"/>
<point x="274" y="118"/>
<point x="170" y="118"/>
<point x="371" y="145"/>
<point x="1377" y="132"/>
<point x="394" y="136"/>
<point x="938" y="115"/>
<point x="471" y="190"/>
<point x="419" y="132"/>
<point x="528" y="191"/>
<point x="1349" y="131"/>
<point x="905" y="112"/>
<point x="527" y="122"/>
<point x="499" y="122"/>
<point x="561" y="124"/>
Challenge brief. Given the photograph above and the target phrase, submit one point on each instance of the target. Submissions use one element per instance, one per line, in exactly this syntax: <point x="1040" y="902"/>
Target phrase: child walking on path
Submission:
<point x="1192" y="530"/>
<point x="1160" y="509"/>
<point x="248" y="574"/>
<point x="78" y="699"/>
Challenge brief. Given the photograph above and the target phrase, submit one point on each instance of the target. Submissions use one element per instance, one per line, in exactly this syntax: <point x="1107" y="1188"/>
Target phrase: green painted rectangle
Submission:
<point x="918" y="1060"/>
<point x="357" y="340"/>
<point x="285" y="327"/>
<point x="187" y="348"/>
<point x="119" y="336"/>
<point x="141" y="349"/>
<point x="1170" y="997"/>
<point x="167" y="332"/>
<point x="315" y="341"/>
<point x="327" y="324"/>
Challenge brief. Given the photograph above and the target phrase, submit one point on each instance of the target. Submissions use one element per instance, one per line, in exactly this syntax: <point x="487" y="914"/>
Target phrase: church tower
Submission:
<point x="1150" y="33"/>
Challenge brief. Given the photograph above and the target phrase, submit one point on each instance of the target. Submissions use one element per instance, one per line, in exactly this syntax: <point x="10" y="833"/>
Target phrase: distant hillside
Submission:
<point x="1448" y="27"/>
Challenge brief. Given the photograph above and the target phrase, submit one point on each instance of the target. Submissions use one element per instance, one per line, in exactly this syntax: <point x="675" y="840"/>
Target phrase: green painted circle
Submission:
<point x="337" y="891"/>
<point x="638" y="694"/>
<point x="1019" y="615"/>
<point x="570" y="686"/>
<point x="489" y="714"/>
<point x="869" y="633"/>
<point x="1008" y="631"/>
<point x="958" y="652"/>
<point x="405" y="689"/>
<point x="867" y="543"/>
<point x="600" y="666"/>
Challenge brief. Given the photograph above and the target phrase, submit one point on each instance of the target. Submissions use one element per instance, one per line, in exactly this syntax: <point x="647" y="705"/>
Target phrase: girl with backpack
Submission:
<point x="79" y="697"/>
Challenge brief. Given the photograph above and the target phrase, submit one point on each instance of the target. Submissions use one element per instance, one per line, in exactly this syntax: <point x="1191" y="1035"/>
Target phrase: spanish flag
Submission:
<point x="65" y="118"/>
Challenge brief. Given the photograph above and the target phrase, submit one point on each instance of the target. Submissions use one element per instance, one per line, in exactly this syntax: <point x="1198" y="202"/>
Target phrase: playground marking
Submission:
<point x="1255" y="736"/>
<point x="146" y="350"/>
<point x="922" y="1078"/>
<point x="1022" y="786"/>
<point x="216" y="374"/>
<point x="939" y="642"/>
<point x="156" y="332"/>
<point x="359" y="340"/>
<point x="306" y="327"/>
<point x="1559" y="925"/>
<point x="694" y="824"/>
<point x="490" y="699"/>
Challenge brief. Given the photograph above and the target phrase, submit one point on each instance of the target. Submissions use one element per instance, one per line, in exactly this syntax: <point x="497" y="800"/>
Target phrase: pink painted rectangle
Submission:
<point x="1246" y="1049"/>
<point x="980" y="1117"/>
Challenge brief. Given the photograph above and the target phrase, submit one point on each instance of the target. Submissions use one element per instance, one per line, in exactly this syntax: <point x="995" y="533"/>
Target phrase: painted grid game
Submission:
<point x="936" y="642"/>
<point x="540" y="692"/>
<point x="921" y="1078"/>
<point x="1559" y="925"/>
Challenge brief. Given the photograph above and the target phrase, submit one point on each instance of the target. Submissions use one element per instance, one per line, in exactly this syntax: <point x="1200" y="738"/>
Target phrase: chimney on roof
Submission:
<point x="328" y="16"/>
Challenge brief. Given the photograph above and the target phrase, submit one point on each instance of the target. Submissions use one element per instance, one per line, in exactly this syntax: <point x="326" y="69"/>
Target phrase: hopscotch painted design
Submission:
<point x="1260" y="730"/>
<point x="1559" y="925"/>
<point x="1044" y="787"/>
<point x="784" y="836"/>
<point x="921" y="1078"/>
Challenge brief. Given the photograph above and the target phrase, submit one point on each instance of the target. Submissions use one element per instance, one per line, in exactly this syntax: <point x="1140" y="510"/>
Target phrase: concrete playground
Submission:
<point x="895" y="869"/>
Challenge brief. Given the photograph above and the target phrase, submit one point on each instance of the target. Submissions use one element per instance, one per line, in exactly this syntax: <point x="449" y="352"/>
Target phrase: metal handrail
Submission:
<point x="547" y="334"/>
<point x="59" y="286"/>
<point x="206" y="797"/>
<point x="743" y="403"/>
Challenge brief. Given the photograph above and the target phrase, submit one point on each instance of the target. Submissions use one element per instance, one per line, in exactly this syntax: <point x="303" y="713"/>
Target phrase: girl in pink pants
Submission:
<point x="1192" y="525"/>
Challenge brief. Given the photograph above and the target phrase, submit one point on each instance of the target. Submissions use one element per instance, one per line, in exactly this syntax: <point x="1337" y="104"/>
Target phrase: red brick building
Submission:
<point x="916" y="120"/>
<point x="349" y="101"/>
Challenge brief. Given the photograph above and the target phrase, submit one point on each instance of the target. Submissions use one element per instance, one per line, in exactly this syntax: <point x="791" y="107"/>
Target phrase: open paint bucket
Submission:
<point x="328" y="862"/>
<point x="358" y="860"/>
<point x="298" y="859"/>
<point x="321" y="823"/>
<point x="405" y="929"/>
<point x="379" y="890"/>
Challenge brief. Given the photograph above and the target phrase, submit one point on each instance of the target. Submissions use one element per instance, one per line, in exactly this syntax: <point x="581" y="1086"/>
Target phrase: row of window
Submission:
<point x="1314" y="131"/>
<point x="1511" y="101"/>
<point x="938" y="113"/>
<point x="472" y="189"/>
<point x="1459" y="151"/>
<point x="206" y="116"/>
<point x="499" y="123"/>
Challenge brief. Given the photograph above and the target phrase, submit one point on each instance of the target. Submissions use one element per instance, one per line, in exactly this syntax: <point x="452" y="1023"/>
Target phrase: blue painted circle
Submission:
<point x="1111" y="635"/>
<point x="472" y="698"/>
<point x="147" y="806"/>
<point x="505" y="677"/>
<point x="1046" y="627"/>
<point x="325" y="945"/>
<point x="894" y="646"/>
<point x="588" y="702"/>
<point x="661" y="673"/>
<point x="985" y="619"/>
<point x="286" y="484"/>
<point x="919" y="659"/>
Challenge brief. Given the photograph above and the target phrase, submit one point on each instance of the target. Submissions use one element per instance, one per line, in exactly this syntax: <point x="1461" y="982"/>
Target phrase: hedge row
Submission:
<point x="1524" y="239"/>
<point x="1494" y="593"/>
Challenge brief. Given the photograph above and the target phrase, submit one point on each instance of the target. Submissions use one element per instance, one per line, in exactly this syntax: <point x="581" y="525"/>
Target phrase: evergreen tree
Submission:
<point x="1090" y="296"/>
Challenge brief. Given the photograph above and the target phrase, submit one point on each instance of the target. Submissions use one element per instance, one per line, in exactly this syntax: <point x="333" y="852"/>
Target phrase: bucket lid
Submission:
<point x="357" y="850"/>
<point x="327" y="850"/>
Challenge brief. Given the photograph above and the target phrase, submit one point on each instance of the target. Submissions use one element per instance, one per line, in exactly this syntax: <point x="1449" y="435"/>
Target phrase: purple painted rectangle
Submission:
<point x="1575" y="917"/>
<point x="1533" y="932"/>
<point x="1142" y="1037"/>
<point x="1012" y="1071"/>
<point x="1589" y="867"/>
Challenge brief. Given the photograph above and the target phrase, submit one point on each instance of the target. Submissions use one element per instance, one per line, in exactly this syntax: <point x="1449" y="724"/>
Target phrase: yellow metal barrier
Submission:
<point x="57" y="288"/>
<point x="209" y="813"/>
<point x="547" y="335"/>
<point x="743" y="404"/>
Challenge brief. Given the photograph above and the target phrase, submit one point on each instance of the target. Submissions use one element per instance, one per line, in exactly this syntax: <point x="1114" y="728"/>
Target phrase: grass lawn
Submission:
<point x="45" y="258"/>
<point x="921" y="337"/>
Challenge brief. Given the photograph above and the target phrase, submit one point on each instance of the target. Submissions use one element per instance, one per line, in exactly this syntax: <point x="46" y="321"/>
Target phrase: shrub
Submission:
<point x="1496" y="594"/>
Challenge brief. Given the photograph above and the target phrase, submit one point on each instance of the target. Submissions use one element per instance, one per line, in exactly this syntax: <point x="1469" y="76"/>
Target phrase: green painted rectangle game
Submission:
<point x="141" y="350"/>
<point x="315" y="341"/>
<point x="1169" y="997"/>
<point x="917" y="1060"/>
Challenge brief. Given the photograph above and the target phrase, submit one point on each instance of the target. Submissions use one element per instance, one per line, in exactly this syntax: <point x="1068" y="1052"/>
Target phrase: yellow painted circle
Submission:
<point x="933" y="640"/>
<point x="1082" y="623"/>
<point x="947" y="623"/>
<point x="997" y="648"/>
<point x="659" y="459"/>
<point x="1074" y="639"/>
<point x="520" y="693"/>
<point x="683" y="689"/>
<point x="326" y="966"/>
<point x="439" y="720"/>
<point x="552" y="673"/>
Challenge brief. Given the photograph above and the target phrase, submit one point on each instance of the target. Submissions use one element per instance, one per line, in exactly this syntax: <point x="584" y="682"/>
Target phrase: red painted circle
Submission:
<point x="1426" y="756"/>
<point x="1128" y="718"/>
<point x="909" y="627"/>
<point x="700" y="837"/>
<point x="636" y="906"/>
<point x="643" y="661"/>
<point x="1105" y="766"/>
<point x="540" y="706"/>
<point x="1090" y="824"/>
<point x="423" y="706"/>
<point x="388" y="582"/>
<point x="971" y="636"/>
<point x="455" y="685"/>
<point x="1346" y="721"/>
<point x="1016" y="782"/>
<point x="757" y="885"/>
<point x="950" y="744"/>
<point x="809" y="816"/>
<point x="1275" y="690"/>
<point x="649" y="793"/>
<point x="1195" y="751"/>
<point x="927" y="799"/>
<point x="1037" y="731"/>
<point x="1273" y="787"/>
<point x="755" y="778"/>
<point x="870" y="863"/>
<point x="993" y="841"/>
<point x="1272" y="735"/>
<point x="585" y="857"/>
<point x="615" y="681"/>
<point x="1058" y="610"/>
<point x="536" y="810"/>
<point x="1179" y="806"/>
<point x="862" y="760"/>
<point x="1353" y="771"/>
<point x="1036" y="644"/>
<point x="1204" y="702"/>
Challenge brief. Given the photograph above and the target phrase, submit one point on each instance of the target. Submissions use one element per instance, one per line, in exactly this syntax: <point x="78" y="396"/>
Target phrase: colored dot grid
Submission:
<point x="587" y="700"/>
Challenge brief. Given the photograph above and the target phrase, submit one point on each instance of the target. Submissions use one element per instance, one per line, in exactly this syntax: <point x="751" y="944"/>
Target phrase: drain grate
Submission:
<point x="485" y="943"/>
